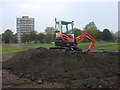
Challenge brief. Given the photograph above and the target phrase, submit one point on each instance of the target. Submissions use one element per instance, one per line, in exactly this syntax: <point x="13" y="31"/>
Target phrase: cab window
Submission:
<point x="57" y="26"/>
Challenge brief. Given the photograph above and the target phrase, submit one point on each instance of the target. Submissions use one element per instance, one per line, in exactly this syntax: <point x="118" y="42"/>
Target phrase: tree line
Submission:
<point x="33" y="37"/>
<point x="49" y="35"/>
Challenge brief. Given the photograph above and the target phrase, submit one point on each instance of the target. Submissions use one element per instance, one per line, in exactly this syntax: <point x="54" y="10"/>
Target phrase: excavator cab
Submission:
<point x="64" y="33"/>
<point x="63" y="27"/>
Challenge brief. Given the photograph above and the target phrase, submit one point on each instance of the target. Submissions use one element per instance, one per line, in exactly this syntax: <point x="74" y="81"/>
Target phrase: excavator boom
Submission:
<point x="81" y="37"/>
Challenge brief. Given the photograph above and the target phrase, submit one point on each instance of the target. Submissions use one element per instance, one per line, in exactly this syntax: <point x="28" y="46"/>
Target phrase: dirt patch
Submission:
<point x="71" y="69"/>
<point x="12" y="45"/>
<point x="10" y="80"/>
<point x="7" y="56"/>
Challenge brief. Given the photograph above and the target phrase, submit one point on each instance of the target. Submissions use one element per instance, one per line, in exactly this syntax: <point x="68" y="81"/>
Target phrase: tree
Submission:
<point x="77" y="32"/>
<point x="31" y="37"/>
<point x="0" y="38"/>
<point x="8" y="37"/>
<point x="49" y="30"/>
<point x="106" y="35"/>
<point x="15" y="38"/>
<point x="41" y="37"/>
<point x="90" y="26"/>
<point x="92" y="30"/>
<point x="50" y="34"/>
<point x="25" y="38"/>
<point x="94" y="33"/>
<point x="49" y="38"/>
<point x="116" y="36"/>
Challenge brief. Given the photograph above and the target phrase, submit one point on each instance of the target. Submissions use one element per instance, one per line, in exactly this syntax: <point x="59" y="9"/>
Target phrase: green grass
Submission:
<point x="52" y="45"/>
<point x="41" y="45"/>
<point x="11" y="48"/>
<point x="115" y="47"/>
<point x="104" y="43"/>
<point x="79" y="45"/>
<point x="96" y="44"/>
<point x="15" y="48"/>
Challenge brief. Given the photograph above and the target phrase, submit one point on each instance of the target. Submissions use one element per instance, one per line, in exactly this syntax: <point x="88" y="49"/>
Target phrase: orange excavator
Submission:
<point x="65" y="37"/>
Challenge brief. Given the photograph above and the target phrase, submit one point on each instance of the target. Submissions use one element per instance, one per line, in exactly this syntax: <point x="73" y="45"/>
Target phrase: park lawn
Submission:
<point x="104" y="43"/>
<point x="40" y="45"/>
<point x="114" y="47"/>
<point x="11" y="48"/>
<point x="15" y="48"/>
<point x="84" y="44"/>
<point x="52" y="45"/>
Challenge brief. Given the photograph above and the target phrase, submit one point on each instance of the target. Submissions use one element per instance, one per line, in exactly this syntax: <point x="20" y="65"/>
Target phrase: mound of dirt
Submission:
<point x="72" y="69"/>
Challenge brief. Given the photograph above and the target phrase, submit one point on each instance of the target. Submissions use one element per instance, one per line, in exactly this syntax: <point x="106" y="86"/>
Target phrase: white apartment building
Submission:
<point x="24" y="25"/>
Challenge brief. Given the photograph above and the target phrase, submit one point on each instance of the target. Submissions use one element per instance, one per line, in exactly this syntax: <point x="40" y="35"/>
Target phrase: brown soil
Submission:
<point x="7" y="56"/>
<point x="66" y="69"/>
<point x="10" y="80"/>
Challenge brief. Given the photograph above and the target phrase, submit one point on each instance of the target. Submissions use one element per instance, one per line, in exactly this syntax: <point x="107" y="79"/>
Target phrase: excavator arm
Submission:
<point x="82" y="37"/>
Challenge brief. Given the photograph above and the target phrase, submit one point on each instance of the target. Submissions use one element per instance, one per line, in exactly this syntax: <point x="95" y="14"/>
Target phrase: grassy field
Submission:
<point x="96" y="44"/>
<point x="41" y="45"/>
<point x="79" y="45"/>
<point x="15" y="48"/>
<point x="11" y="48"/>
<point x="103" y="45"/>
<point x="115" y="48"/>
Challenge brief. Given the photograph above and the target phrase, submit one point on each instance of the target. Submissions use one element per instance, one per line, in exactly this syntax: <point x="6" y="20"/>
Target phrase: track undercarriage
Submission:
<point x="68" y="49"/>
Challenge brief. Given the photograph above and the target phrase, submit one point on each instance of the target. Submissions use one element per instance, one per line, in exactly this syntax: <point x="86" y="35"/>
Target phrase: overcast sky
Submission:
<point x="104" y="14"/>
